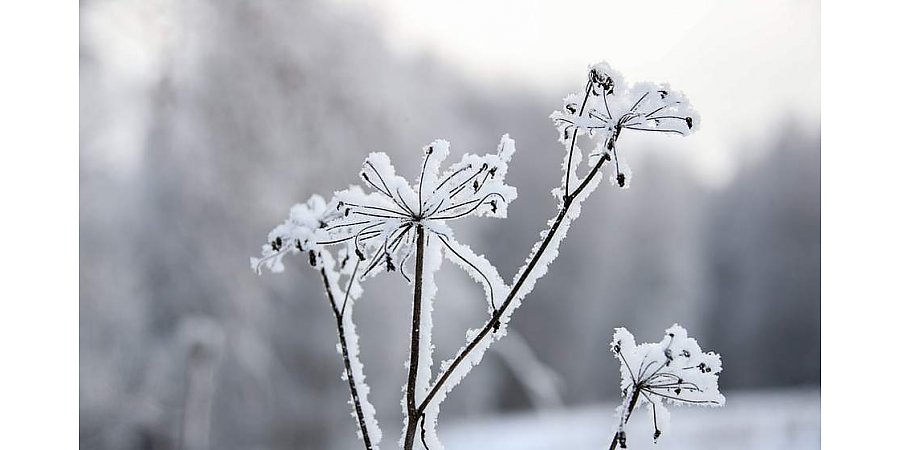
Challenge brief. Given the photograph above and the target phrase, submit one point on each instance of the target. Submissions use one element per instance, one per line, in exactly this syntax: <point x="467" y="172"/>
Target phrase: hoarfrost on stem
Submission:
<point x="348" y="341"/>
<point x="624" y="108"/>
<point x="395" y="221"/>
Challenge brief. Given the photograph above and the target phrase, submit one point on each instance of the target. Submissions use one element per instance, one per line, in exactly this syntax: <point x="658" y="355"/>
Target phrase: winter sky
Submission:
<point x="746" y="65"/>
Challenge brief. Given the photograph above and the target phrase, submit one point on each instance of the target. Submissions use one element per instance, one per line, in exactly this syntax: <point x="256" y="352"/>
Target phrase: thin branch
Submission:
<point x="495" y="320"/>
<point x="587" y="93"/>
<point x="412" y="413"/>
<point x="345" y="352"/>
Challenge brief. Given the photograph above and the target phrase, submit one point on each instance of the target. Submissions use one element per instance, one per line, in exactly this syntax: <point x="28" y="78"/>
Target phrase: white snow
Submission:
<point x="752" y="420"/>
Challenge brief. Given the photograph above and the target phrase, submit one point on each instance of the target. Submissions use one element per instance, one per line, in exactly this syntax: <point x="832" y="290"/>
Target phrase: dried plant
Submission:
<point x="394" y="222"/>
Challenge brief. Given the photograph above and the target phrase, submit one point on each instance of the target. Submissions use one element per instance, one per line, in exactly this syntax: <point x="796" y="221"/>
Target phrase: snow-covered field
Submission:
<point x="750" y="420"/>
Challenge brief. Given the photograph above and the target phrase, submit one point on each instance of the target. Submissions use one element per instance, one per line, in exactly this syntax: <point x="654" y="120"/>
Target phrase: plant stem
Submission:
<point x="587" y="92"/>
<point x="631" y="404"/>
<point x="412" y="413"/>
<point x="345" y="352"/>
<point x="495" y="320"/>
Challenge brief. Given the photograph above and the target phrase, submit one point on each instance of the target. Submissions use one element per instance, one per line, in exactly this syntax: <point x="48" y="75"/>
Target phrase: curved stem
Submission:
<point x="345" y="353"/>
<point x="412" y="413"/>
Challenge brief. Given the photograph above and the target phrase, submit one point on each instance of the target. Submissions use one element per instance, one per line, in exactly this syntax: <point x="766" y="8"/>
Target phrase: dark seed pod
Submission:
<point x="494" y="206"/>
<point x="656" y="435"/>
<point x="616" y="348"/>
<point x="602" y="81"/>
<point x="663" y="94"/>
<point x="298" y="245"/>
<point x="571" y="108"/>
<point x="690" y="122"/>
<point x="677" y="391"/>
<point x="621" y="437"/>
<point x="312" y="258"/>
<point x="476" y="185"/>
<point x="620" y="178"/>
<point x="429" y="150"/>
<point x="390" y="264"/>
<point x="359" y="254"/>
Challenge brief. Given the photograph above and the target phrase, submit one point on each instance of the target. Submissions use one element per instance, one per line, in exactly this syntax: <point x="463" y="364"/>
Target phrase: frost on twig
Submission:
<point x="380" y="229"/>
<point x="674" y="370"/>
<point x="383" y="226"/>
<point x="605" y="107"/>
<point x="303" y="231"/>
<point x="342" y="303"/>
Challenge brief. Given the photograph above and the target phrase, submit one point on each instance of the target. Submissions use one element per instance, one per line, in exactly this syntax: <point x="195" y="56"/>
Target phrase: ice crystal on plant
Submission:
<point x="674" y="370"/>
<point x="333" y="271"/>
<point x="382" y="227"/>
<point x="302" y="231"/>
<point x="381" y="224"/>
<point x="608" y="105"/>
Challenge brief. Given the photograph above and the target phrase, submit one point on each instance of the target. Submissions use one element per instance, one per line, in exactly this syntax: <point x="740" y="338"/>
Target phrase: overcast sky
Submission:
<point x="746" y="65"/>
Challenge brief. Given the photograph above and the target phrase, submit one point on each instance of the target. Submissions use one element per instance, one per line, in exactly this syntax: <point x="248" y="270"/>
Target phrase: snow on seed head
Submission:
<point x="674" y="370"/>
<point x="382" y="224"/>
<point x="609" y="106"/>
<point x="301" y="232"/>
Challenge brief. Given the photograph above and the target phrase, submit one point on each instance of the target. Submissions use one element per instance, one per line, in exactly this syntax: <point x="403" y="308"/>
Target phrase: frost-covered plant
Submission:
<point x="395" y="222"/>
<point x="673" y="370"/>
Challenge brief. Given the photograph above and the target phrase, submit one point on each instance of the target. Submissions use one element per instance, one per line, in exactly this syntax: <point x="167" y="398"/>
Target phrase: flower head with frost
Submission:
<point x="608" y="105"/>
<point x="301" y="232"/>
<point x="674" y="370"/>
<point x="381" y="225"/>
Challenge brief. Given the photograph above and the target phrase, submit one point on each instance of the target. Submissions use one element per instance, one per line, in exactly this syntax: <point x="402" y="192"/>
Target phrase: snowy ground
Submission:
<point x="750" y="420"/>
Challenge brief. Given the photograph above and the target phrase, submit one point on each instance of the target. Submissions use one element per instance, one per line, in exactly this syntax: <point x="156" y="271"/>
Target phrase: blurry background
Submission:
<point x="202" y="121"/>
